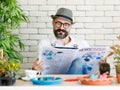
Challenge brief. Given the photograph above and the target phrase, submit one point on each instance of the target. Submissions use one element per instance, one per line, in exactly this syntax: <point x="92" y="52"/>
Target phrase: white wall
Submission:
<point x="97" y="21"/>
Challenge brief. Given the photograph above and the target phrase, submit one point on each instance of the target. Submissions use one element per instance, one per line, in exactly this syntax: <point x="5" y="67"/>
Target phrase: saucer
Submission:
<point x="46" y="80"/>
<point x="25" y="78"/>
<point x="86" y="80"/>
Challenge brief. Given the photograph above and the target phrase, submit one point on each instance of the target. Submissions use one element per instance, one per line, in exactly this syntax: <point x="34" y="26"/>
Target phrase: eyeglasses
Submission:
<point x="59" y="24"/>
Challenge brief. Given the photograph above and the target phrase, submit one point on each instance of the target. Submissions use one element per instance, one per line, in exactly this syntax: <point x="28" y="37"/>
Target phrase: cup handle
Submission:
<point x="38" y="73"/>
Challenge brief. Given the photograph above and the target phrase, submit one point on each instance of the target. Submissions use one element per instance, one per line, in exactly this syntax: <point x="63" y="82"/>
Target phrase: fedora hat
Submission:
<point x="64" y="13"/>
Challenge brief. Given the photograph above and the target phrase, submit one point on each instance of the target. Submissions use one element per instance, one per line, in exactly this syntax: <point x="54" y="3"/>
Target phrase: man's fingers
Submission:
<point x="38" y="65"/>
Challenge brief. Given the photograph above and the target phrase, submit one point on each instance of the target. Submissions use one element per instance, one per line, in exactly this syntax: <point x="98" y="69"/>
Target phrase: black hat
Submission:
<point x="65" y="13"/>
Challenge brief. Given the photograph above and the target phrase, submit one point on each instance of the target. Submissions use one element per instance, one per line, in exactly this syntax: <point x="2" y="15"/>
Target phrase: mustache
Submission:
<point x="58" y="30"/>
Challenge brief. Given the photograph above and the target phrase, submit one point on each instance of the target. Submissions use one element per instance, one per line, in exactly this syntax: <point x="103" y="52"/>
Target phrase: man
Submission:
<point x="62" y="23"/>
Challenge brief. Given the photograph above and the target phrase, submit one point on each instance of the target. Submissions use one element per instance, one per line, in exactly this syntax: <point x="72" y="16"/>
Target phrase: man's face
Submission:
<point x="61" y="27"/>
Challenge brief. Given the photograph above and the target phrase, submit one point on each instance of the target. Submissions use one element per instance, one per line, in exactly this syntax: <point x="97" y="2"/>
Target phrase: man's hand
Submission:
<point x="37" y="65"/>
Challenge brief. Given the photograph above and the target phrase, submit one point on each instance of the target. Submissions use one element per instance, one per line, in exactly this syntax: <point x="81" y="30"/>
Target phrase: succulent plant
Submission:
<point x="9" y="68"/>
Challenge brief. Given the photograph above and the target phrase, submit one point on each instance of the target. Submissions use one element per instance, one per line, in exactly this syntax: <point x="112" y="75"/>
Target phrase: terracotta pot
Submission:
<point x="118" y="77"/>
<point x="117" y="68"/>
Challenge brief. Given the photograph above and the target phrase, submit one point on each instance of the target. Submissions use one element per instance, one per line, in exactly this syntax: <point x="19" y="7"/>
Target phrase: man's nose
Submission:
<point x="62" y="26"/>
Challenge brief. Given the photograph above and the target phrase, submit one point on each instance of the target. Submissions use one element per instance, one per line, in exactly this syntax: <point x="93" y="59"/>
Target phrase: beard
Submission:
<point x="60" y="34"/>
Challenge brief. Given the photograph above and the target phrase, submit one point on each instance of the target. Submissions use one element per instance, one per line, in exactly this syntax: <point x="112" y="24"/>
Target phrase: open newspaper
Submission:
<point x="72" y="60"/>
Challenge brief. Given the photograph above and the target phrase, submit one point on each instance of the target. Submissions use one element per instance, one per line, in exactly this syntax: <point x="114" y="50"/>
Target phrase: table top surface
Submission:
<point x="20" y="82"/>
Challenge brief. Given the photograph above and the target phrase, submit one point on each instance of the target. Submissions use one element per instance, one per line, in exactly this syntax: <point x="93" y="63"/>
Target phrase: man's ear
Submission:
<point x="73" y="23"/>
<point x="53" y="22"/>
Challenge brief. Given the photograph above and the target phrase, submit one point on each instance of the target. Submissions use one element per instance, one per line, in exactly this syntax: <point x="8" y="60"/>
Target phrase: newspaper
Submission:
<point x="61" y="60"/>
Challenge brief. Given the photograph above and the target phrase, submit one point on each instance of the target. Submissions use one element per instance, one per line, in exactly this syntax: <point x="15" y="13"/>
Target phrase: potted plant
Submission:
<point x="116" y="53"/>
<point x="11" y="15"/>
<point x="8" y="71"/>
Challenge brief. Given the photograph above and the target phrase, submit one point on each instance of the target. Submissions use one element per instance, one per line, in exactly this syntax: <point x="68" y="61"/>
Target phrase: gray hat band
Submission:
<point x="64" y="17"/>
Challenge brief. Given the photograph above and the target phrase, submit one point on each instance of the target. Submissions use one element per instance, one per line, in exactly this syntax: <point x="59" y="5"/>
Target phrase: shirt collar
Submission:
<point x="57" y="43"/>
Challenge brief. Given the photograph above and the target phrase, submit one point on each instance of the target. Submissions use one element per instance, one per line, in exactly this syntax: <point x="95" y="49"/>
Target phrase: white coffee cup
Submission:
<point x="31" y="73"/>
